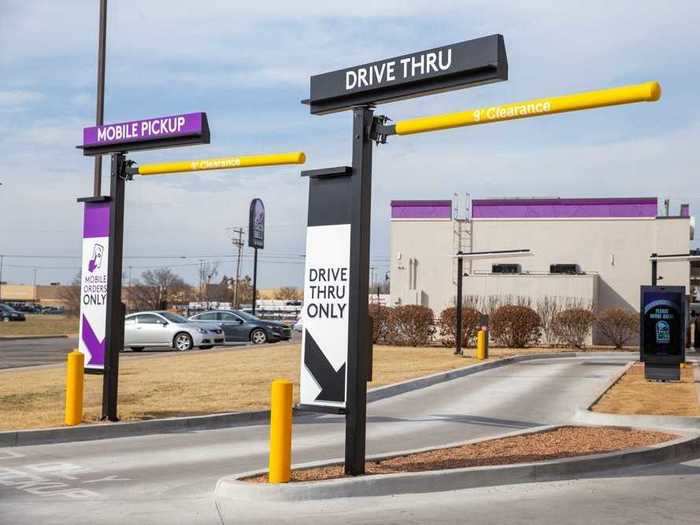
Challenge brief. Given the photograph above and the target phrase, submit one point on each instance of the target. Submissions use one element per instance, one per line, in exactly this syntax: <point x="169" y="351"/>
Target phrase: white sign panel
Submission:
<point x="94" y="284"/>
<point x="325" y="316"/>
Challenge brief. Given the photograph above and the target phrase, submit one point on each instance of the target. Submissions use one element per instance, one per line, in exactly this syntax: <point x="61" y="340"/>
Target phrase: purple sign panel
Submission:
<point x="94" y="284"/>
<point x="158" y="132"/>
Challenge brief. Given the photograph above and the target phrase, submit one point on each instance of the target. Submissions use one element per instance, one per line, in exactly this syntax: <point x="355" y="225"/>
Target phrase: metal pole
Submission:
<point x="654" y="270"/>
<point x="99" y="117"/>
<point x="458" y="312"/>
<point x="255" y="276"/>
<point x="1" y="261"/>
<point x="114" y="338"/>
<point x="358" y="311"/>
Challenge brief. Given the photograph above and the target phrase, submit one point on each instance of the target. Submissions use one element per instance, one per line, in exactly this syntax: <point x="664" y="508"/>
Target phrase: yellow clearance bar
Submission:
<point x="223" y="163"/>
<point x="647" y="92"/>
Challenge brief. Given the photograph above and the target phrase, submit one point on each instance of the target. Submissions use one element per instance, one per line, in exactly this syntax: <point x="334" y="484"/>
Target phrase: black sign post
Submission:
<point x="256" y="238"/>
<point x="358" y="88"/>
<point x="662" y="331"/>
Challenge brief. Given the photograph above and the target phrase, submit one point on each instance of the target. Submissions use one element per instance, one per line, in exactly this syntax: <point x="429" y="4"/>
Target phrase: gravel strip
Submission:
<point x="562" y="442"/>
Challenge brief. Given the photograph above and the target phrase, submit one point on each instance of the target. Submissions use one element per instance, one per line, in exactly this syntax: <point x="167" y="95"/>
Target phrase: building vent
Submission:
<point x="505" y="268"/>
<point x="564" y="268"/>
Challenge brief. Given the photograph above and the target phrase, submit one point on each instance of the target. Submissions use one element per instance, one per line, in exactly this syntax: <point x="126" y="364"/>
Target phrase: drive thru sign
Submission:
<point x="323" y="381"/>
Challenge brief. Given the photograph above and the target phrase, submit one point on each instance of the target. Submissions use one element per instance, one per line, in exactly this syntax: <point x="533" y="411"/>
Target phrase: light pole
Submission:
<point x="100" y="110"/>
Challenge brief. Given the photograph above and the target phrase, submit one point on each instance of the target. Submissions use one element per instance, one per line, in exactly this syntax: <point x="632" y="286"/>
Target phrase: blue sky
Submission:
<point x="248" y="68"/>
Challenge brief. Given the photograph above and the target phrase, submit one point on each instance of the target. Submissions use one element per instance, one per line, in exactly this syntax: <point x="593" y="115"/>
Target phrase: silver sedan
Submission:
<point x="166" y="329"/>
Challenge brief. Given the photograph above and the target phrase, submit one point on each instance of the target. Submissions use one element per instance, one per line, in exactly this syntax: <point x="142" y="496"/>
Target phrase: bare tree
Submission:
<point x="207" y="271"/>
<point x="547" y="308"/>
<point x="159" y="289"/>
<point x="289" y="293"/>
<point x="70" y="295"/>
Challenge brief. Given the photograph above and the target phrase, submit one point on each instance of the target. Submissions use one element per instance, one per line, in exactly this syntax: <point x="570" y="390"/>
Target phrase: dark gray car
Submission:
<point x="7" y="313"/>
<point x="242" y="327"/>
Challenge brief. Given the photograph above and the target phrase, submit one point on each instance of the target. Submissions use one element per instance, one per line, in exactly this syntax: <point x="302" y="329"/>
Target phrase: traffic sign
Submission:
<point x="474" y="62"/>
<point x="323" y="381"/>
<point x="151" y="133"/>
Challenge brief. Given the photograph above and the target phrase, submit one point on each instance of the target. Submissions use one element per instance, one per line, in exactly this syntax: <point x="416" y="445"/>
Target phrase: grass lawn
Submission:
<point x="192" y="383"/>
<point x="202" y="383"/>
<point x="37" y="324"/>
<point x="633" y="394"/>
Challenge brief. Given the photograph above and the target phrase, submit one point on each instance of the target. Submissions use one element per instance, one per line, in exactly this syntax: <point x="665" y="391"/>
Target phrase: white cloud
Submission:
<point x="248" y="65"/>
<point x="17" y="100"/>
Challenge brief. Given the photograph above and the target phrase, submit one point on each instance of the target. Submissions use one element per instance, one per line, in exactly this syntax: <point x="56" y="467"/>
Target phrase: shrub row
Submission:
<point x="514" y="326"/>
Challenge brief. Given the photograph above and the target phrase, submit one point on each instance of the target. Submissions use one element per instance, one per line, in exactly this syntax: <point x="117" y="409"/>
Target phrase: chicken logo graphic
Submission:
<point x="96" y="259"/>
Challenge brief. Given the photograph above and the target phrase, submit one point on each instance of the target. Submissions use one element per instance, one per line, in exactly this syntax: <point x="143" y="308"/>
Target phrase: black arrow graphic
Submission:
<point x="332" y="383"/>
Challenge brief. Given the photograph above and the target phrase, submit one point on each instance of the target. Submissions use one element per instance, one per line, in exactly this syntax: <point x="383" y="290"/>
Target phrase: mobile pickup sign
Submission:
<point x="159" y="132"/>
<point x="101" y="309"/>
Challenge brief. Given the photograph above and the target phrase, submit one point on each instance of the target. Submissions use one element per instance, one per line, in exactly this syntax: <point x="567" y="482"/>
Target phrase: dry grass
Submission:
<point x="633" y="394"/>
<point x="562" y="442"/>
<point x="37" y="324"/>
<point x="202" y="383"/>
<point x="193" y="383"/>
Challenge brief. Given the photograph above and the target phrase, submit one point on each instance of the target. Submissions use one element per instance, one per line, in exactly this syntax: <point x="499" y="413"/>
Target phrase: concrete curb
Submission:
<point x="18" y="438"/>
<point x="589" y="417"/>
<point x="231" y="493"/>
<point x="613" y="381"/>
<point x="28" y="337"/>
<point x="90" y="432"/>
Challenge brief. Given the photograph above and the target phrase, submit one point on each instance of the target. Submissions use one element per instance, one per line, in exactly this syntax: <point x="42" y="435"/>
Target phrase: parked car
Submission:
<point x="7" y="313"/>
<point x="299" y="325"/>
<point x="52" y="310"/>
<point x="239" y="326"/>
<point x="167" y="329"/>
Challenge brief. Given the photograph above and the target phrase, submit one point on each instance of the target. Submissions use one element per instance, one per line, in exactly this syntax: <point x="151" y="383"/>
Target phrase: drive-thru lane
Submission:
<point x="170" y="477"/>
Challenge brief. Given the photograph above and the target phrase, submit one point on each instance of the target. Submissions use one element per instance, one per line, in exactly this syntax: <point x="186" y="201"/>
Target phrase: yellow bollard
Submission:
<point x="482" y="344"/>
<point x="280" y="431"/>
<point x="75" y="377"/>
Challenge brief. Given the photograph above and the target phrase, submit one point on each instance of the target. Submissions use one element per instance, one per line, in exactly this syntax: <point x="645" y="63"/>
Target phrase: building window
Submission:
<point x="505" y="268"/>
<point x="564" y="268"/>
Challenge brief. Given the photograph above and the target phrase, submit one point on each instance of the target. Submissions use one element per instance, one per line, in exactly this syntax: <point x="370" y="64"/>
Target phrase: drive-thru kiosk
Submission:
<point x="336" y="345"/>
<point x="663" y="312"/>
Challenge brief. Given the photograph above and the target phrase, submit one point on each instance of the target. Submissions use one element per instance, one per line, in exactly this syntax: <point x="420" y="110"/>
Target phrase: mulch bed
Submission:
<point x="561" y="442"/>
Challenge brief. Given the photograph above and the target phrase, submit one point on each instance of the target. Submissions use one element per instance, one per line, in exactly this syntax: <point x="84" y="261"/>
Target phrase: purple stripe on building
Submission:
<point x="564" y="208"/>
<point x="96" y="220"/>
<point x="421" y="209"/>
<point x="157" y="128"/>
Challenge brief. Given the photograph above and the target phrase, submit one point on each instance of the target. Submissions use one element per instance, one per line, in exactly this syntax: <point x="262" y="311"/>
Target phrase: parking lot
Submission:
<point x="19" y="353"/>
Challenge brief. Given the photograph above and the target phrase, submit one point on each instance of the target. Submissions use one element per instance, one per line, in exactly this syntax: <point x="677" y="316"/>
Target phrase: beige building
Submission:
<point x="584" y="251"/>
<point x="46" y="295"/>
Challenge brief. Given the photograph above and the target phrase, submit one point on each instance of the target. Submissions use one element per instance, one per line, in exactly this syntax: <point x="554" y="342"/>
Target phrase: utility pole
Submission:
<point x="237" y="242"/>
<point x="35" y="295"/>
<point x="1" y="258"/>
